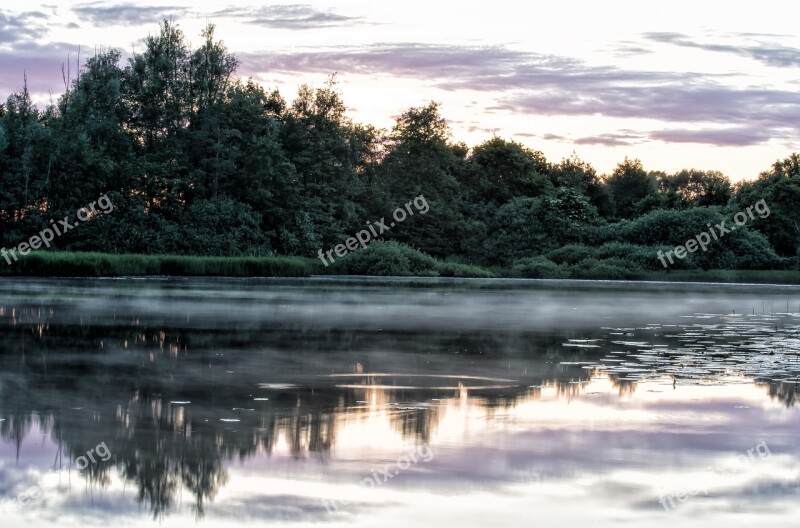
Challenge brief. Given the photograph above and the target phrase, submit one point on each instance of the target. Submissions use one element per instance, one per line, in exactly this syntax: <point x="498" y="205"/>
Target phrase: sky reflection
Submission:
<point x="220" y="423"/>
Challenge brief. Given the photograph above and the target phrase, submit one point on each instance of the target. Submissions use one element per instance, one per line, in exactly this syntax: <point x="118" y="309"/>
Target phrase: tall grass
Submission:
<point x="387" y="259"/>
<point x="69" y="264"/>
<point x="716" y="275"/>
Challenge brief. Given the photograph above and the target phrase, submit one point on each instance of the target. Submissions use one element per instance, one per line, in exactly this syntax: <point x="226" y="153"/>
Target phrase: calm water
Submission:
<point x="389" y="403"/>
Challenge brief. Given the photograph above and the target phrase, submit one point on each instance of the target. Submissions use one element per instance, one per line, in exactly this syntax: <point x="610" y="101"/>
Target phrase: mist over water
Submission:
<point x="260" y="401"/>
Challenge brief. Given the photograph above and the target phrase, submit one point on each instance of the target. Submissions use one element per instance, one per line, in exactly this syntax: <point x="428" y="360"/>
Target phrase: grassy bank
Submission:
<point x="380" y="259"/>
<point x="68" y="264"/>
<point x="741" y="276"/>
<point x="714" y="275"/>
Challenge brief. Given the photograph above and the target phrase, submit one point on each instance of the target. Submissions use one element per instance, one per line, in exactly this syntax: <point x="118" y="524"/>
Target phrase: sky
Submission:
<point x="702" y="84"/>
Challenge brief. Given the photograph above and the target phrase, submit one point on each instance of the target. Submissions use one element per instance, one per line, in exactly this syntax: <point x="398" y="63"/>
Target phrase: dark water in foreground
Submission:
<point x="383" y="403"/>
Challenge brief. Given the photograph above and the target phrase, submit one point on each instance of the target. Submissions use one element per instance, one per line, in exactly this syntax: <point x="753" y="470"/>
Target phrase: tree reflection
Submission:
<point x="176" y="404"/>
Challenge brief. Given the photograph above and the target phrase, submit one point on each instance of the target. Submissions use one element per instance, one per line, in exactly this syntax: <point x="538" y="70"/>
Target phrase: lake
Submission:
<point x="397" y="402"/>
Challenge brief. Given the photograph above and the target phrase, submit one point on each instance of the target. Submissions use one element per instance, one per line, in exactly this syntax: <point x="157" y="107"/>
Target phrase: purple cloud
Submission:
<point x="127" y="14"/>
<point x="291" y="16"/>
<point x="769" y="54"/>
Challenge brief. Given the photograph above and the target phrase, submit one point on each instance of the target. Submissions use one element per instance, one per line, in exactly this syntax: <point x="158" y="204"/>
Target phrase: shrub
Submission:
<point x="640" y="258"/>
<point x="592" y="268"/>
<point x="395" y="259"/>
<point x="571" y="254"/>
<point x="539" y="268"/>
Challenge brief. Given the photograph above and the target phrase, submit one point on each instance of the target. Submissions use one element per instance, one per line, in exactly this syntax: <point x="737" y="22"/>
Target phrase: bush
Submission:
<point x="593" y="268"/>
<point x="539" y="268"/>
<point x="450" y="269"/>
<point x="571" y="254"/>
<point x="642" y="258"/>
<point x="753" y="251"/>
<point x="395" y="259"/>
<point x="536" y="225"/>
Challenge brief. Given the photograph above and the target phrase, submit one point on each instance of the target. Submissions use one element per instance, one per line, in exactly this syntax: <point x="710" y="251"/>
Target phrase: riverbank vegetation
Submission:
<point x="212" y="174"/>
<point x="379" y="259"/>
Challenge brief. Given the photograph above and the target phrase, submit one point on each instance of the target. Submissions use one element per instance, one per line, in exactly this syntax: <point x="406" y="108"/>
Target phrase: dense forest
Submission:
<point x="198" y="161"/>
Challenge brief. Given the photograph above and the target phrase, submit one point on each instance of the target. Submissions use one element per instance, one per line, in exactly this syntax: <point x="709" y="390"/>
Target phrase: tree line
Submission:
<point x="199" y="161"/>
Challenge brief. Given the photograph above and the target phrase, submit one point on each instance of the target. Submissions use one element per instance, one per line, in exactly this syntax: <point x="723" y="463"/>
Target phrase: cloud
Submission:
<point x="536" y="84"/>
<point x="608" y="140"/>
<point x="706" y="106"/>
<point x="24" y="26"/>
<point x="480" y="68"/>
<point x="688" y="103"/>
<point x="298" y="16"/>
<point x="290" y="508"/>
<point x="127" y="14"/>
<point x="628" y="48"/>
<point x="407" y="59"/>
<point x="771" y="55"/>
<point x="485" y="130"/>
<point x="40" y="62"/>
<point x="729" y="137"/>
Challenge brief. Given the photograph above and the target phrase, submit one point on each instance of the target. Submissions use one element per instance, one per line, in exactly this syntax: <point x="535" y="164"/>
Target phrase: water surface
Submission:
<point x="364" y="402"/>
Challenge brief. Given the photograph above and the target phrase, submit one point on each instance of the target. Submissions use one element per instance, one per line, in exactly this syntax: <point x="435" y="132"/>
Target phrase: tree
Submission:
<point x="199" y="161"/>
<point x="92" y="151"/>
<point x="157" y="89"/>
<point x="527" y="227"/>
<point x="327" y="150"/>
<point x="629" y="184"/>
<point x="419" y="160"/>
<point x="26" y="160"/>
<point x="780" y="190"/>
<point x="211" y="70"/>
<point x="575" y="173"/>
<point x="697" y="187"/>
<point x="503" y="170"/>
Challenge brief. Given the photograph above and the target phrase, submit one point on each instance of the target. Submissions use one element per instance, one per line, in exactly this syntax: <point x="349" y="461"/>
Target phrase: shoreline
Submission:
<point x="100" y="265"/>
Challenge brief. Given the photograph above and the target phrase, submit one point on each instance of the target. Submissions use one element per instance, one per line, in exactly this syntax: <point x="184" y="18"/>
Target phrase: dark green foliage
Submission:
<point x="780" y="190"/>
<point x="629" y="184"/>
<point x="636" y="258"/>
<point x="530" y="226"/>
<point x="199" y="162"/>
<point x="327" y="152"/>
<point x="696" y="187"/>
<point x="502" y="170"/>
<point x="222" y="227"/>
<point x="518" y="229"/>
<point x="571" y="254"/>
<point x="419" y="160"/>
<point x="539" y="268"/>
<point x="609" y="269"/>
<point x="73" y="264"/>
<point x="578" y="175"/>
<point x="742" y="247"/>
<point x="395" y="259"/>
<point x="667" y="227"/>
<point x="751" y="250"/>
<point x="639" y="257"/>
